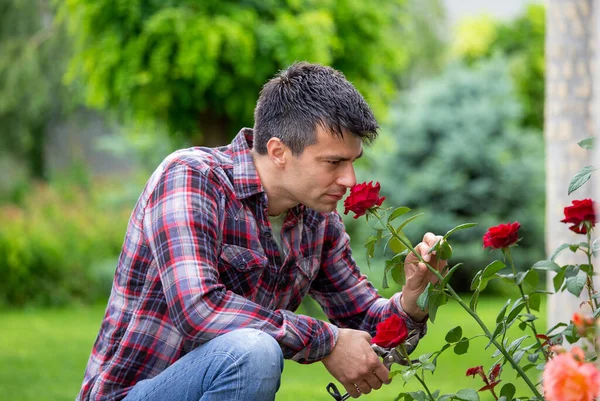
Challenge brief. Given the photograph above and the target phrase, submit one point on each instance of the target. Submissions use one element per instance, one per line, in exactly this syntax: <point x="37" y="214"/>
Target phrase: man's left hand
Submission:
<point x="418" y="275"/>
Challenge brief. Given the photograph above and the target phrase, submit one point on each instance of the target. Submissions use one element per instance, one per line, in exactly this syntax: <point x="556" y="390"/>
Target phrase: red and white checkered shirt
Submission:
<point x="199" y="260"/>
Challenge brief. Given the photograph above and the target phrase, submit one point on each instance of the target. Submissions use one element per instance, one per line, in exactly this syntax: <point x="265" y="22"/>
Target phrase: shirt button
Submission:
<point x="267" y="234"/>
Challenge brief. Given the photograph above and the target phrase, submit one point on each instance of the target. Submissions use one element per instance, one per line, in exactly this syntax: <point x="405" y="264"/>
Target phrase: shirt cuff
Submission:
<point x="321" y="345"/>
<point x="413" y="327"/>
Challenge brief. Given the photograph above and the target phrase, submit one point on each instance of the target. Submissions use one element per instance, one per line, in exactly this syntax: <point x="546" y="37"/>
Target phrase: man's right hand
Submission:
<point x="354" y="363"/>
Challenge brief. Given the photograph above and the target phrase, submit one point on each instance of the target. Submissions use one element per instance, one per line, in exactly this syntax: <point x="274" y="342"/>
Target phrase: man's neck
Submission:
<point x="278" y="201"/>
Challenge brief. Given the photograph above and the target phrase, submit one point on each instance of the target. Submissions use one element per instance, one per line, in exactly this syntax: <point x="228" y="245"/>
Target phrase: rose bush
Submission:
<point x="567" y="375"/>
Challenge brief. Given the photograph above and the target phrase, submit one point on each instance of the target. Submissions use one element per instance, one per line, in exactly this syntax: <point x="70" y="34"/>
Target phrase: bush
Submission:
<point x="460" y="156"/>
<point x="60" y="245"/>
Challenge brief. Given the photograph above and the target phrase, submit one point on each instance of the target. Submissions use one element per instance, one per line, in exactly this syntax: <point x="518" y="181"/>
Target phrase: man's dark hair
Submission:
<point x="298" y="98"/>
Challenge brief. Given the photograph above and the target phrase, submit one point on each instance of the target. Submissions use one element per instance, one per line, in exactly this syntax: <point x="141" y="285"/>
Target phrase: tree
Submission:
<point x="569" y="119"/>
<point x="197" y="66"/>
<point x="33" y="54"/>
<point x="521" y="40"/>
<point x="459" y="155"/>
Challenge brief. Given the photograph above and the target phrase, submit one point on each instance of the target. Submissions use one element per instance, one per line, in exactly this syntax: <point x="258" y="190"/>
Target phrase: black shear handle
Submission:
<point x="335" y="393"/>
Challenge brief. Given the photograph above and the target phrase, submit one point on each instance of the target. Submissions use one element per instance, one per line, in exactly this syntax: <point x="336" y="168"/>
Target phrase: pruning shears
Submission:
<point x="389" y="355"/>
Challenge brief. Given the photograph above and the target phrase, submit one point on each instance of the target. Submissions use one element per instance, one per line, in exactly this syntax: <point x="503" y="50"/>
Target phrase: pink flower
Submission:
<point x="567" y="378"/>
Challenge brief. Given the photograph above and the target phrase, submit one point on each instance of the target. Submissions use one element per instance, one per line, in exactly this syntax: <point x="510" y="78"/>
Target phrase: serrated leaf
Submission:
<point x="558" y="250"/>
<point x="500" y="329"/>
<point x="454" y="335"/>
<point x="459" y="227"/>
<point x="418" y="395"/>
<point x="547" y="264"/>
<point x="448" y="275"/>
<point x="575" y="284"/>
<point x="515" y="310"/>
<point x="406" y="376"/>
<point x="436" y="300"/>
<point x="399" y="211"/>
<point x="516" y="343"/>
<point x="428" y="366"/>
<point x="533" y="358"/>
<point x="580" y="178"/>
<point x="467" y="394"/>
<point x="493" y="268"/>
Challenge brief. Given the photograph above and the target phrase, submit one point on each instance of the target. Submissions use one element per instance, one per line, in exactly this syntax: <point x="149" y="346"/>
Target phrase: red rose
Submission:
<point x="580" y="212"/>
<point x="363" y="197"/>
<point x="501" y="236"/>
<point x="391" y="332"/>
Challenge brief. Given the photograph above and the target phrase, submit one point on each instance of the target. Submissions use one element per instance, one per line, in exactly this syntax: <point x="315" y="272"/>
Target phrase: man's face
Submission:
<point x="320" y="176"/>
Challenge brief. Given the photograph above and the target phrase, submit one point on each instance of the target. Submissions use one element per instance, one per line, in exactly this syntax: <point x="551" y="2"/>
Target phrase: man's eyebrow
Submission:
<point x="340" y="158"/>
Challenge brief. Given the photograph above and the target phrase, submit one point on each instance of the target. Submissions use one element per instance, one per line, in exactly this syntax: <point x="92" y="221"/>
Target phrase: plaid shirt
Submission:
<point x="199" y="260"/>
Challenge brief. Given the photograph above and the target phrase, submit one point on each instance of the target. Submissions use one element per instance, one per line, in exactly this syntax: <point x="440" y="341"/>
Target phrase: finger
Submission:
<point x="364" y="387"/>
<point x="423" y="250"/>
<point x="383" y="374"/>
<point x="352" y="390"/>
<point x="373" y="381"/>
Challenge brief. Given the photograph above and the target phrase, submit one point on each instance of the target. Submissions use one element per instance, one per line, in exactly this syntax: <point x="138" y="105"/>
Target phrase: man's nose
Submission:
<point x="348" y="177"/>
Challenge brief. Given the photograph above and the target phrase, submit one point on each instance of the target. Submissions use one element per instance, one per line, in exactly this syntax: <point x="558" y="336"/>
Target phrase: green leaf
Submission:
<point x="500" y="316"/>
<point x="462" y="346"/>
<point x="580" y="178"/>
<point x="500" y="328"/>
<point x="449" y="274"/>
<point x="575" y="284"/>
<point x="395" y="245"/>
<point x="428" y="366"/>
<point x="533" y="358"/>
<point x="445" y="251"/>
<point x="467" y="394"/>
<point x="493" y="268"/>
<point x="515" y="310"/>
<point x="474" y="300"/>
<point x="476" y="282"/>
<point x="435" y="301"/>
<point x="534" y="301"/>
<point x="398" y="274"/>
<point x="406" y="376"/>
<point x="423" y="299"/>
<point x="399" y="211"/>
<point x="418" y="395"/>
<point x="516" y="343"/>
<point x="548" y="264"/>
<point x="559" y="279"/>
<point x="559" y="250"/>
<point x="508" y="391"/>
<point x="454" y="335"/>
<point x="587" y="143"/>
<point x="459" y="227"/>
<point x="405" y="222"/>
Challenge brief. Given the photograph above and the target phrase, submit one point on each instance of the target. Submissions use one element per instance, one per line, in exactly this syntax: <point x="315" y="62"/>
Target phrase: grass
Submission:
<point x="44" y="353"/>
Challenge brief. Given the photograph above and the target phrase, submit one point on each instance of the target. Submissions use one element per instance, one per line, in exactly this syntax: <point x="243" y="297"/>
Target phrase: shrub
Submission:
<point x="459" y="155"/>
<point x="58" y="246"/>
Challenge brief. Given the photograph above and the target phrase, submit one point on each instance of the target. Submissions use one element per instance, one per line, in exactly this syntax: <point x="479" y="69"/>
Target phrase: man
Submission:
<point x="224" y="243"/>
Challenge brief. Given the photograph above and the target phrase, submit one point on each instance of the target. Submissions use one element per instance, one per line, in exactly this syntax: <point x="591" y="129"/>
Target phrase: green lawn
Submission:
<point x="44" y="353"/>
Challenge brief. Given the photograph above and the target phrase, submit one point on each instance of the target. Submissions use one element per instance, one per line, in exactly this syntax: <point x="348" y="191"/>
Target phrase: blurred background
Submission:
<point x="94" y="94"/>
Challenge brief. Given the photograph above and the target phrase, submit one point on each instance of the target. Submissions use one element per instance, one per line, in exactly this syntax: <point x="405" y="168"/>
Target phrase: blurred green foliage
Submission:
<point x="198" y="66"/>
<point x="521" y="40"/>
<point x="59" y="245"/>
<point x="459" y="155"/>
<point x="34" y="50"/>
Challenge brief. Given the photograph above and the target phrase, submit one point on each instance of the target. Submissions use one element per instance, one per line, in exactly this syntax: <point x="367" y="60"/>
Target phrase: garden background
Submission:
<point x="480" y="116"/>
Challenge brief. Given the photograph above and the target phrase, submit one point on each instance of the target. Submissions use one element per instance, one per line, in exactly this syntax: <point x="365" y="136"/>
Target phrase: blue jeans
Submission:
<point x="245" y="364"/>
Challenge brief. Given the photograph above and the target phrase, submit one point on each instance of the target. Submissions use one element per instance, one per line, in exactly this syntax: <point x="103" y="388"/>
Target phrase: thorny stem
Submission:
<point x="466" y="307"/>
<point x="407" y="357"/>
<point x="506" y="252"/>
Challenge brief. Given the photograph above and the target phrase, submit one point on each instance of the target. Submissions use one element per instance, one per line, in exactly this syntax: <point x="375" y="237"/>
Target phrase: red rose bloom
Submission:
<point x="501" y="236"/>
<point x="363" y="197"/>
<point x="580" y="212"/>
<point x="391" y="332"/>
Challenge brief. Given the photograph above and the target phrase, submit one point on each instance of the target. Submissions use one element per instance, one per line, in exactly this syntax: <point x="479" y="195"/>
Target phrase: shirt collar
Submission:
<point x="246" y="181"/>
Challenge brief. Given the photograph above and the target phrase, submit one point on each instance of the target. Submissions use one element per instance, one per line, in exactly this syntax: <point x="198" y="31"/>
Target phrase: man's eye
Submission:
<point x="334" y="162"/>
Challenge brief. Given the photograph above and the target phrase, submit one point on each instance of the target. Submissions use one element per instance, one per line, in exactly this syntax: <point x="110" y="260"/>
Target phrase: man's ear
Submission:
<point x="277" y="151"/>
